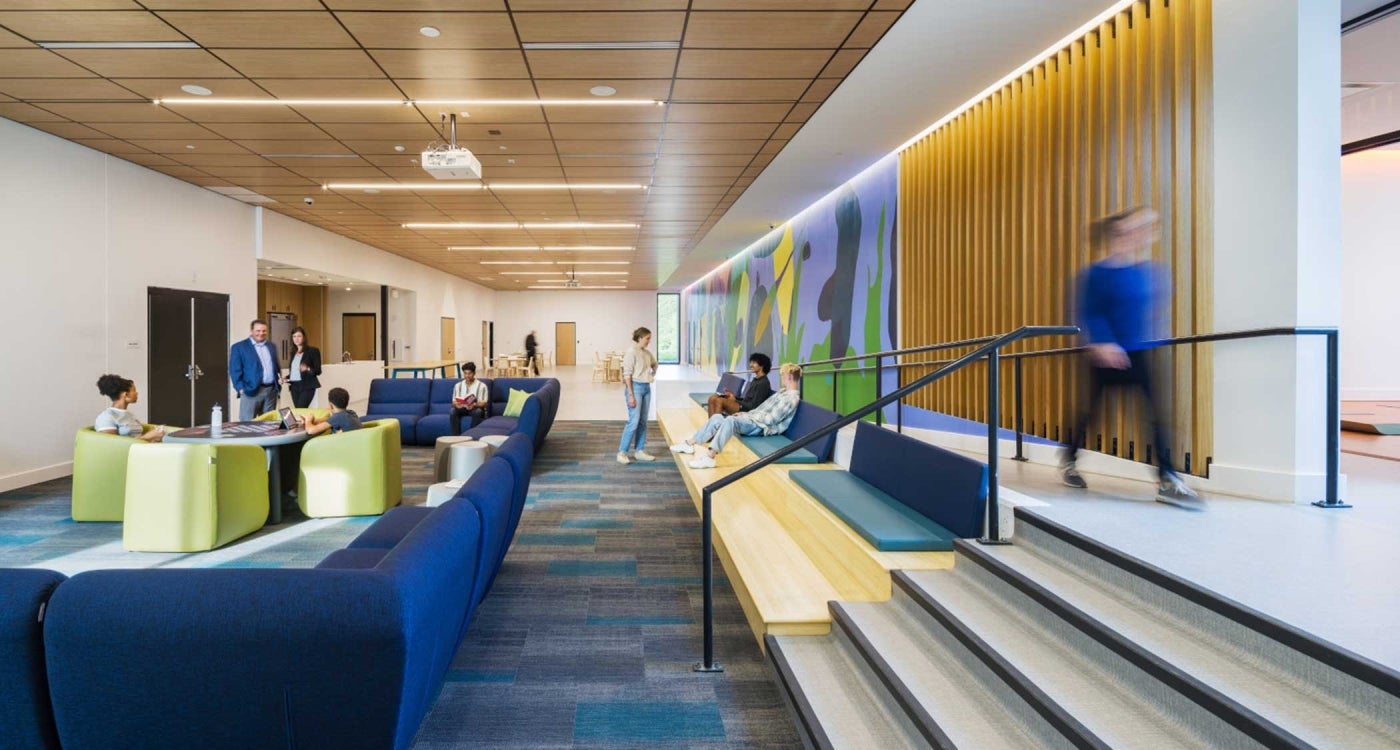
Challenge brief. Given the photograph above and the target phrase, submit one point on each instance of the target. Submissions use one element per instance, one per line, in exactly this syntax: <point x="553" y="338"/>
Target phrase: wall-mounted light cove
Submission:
<point x="1092" y="24"/>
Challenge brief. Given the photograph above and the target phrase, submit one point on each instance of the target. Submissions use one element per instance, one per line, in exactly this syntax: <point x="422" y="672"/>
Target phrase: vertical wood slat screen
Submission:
<point x="995" y="205"/>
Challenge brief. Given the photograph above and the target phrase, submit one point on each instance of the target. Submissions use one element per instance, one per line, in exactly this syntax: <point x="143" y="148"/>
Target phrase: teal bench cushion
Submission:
<point x="762" y="445"/>
<point x="701" y="398"/>
<point x="886" y="523"/>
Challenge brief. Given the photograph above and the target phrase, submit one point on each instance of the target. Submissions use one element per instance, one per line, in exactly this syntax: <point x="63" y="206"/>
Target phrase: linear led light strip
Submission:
<point x="555" y="263"/>
<point x="249" y="102"/>
<point x="569" y="289"/>
<point x="1053" y="49"/>
<point x="492" y="186"/>
<point x="574" y="273"/>
<point x="541" y="247"/>
<point x="519" y="225"/>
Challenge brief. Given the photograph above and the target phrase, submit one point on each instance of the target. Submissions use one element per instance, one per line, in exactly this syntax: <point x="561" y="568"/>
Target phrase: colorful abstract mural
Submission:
<point x="822" y="285"/>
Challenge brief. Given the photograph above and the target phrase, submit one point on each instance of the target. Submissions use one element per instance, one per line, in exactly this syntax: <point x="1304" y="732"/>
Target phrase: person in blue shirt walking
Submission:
<point x="1119" y="296"/>
<point x="255" y="373"/>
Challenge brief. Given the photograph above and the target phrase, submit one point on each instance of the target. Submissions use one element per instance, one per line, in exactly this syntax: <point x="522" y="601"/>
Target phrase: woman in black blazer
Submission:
<point x="306" y="365"/>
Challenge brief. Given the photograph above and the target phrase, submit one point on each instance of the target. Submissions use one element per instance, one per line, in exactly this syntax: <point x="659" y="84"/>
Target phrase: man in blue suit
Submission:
<point x="253" y="370"/>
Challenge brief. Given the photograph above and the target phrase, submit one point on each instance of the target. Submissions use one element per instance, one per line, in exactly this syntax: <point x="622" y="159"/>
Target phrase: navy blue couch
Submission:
<point x="422" y="407"/>
<point x="349" y="654"/>
<point x="807" y="419"/>
<point x="26" y="717"/>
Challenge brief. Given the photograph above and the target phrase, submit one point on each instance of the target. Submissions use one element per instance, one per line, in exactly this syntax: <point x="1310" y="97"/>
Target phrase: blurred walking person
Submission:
<point x="1119" y="297"/>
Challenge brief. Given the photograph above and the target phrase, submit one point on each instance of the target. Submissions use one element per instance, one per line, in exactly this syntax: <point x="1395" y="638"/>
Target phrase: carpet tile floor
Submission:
<point x="588" y="635"/>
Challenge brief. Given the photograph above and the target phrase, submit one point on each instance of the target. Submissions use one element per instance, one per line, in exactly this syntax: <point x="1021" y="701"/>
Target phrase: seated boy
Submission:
<point x="756" y="389"/>
<point x="341" y="418"/>
<point x="469" y="398"/>
<point x="770" y="418"/>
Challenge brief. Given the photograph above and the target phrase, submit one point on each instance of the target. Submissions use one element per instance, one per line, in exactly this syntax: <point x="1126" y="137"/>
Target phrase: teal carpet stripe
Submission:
<point x="648" y="722"/>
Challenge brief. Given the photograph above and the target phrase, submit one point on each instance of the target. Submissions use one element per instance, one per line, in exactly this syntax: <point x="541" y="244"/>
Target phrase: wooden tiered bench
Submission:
<point x="786" y="554"/>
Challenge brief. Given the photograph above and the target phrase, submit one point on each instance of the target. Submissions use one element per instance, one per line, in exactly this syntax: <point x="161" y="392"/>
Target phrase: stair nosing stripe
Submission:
<point x="1213" y="701"/>
<point x="925" y="722"/>
<point x="1343" y="660"/>
<point x="805" y="713"/>
<point x="1053" y="713"/>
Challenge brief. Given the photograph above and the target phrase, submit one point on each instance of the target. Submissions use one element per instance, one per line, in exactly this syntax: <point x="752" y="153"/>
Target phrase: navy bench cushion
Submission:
<point x="398" y="396"/>
<point x="762" y="445"/>
<point x="24" y="685"/>
<point x="945" y="487"/>
<point x="810" y="418"/>
<point x="883" y="521"/>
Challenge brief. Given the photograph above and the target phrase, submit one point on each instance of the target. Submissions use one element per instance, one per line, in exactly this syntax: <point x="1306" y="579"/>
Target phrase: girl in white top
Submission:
<point x="116" y="419"/>
<point x="638" y="371"/>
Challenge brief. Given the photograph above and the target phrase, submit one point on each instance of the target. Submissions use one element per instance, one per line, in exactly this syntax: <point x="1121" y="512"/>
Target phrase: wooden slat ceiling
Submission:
<point x="745" y="77"/>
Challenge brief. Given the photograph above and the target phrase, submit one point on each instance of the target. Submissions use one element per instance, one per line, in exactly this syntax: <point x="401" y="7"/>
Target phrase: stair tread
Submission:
<point x="1270" y="692"/>
<point x="1093" y="696"/>
<point x="963" y="707"/>
<point x="852" y="709"/>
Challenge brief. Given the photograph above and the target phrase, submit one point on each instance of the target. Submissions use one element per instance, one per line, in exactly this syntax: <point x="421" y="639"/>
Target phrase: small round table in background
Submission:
<point x="440" y="454"/>
<point x="266" y="435"/>
<point x="463" y="459"/>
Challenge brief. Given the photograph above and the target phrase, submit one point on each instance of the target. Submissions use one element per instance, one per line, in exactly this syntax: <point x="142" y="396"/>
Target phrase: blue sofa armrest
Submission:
<point x="24" y="686"/>
<point x="228" y="658"/>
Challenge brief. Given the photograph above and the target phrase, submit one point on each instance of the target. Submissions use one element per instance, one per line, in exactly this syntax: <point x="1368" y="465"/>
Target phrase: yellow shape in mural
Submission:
<point x="782" y="263"/>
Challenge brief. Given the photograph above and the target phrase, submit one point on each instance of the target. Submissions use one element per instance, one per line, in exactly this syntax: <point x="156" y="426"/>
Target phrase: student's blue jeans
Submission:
<point x="636" y="417"/>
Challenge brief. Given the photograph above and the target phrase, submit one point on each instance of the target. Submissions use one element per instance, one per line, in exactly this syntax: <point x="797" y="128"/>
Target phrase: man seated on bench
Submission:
<point x="772" y="417"/>
<point x="755" y="391"/>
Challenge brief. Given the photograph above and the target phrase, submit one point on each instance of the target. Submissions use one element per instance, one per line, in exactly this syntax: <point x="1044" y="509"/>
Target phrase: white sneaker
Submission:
<point x="682" y="448"/>
<point x="702" y="462"/>
<point x="642" y="456"/>
<point x="623" y="458"/>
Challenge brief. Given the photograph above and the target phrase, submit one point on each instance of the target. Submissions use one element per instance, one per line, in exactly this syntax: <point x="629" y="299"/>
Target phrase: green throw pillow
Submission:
<point x="516" y="404"/>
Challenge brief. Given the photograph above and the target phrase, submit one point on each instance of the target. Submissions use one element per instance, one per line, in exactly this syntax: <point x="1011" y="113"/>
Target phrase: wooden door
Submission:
<point x="187" y="362"/>
<point x="357" y="331"/>
<point x="449" y="339"/>
<point x="565" y="344"/>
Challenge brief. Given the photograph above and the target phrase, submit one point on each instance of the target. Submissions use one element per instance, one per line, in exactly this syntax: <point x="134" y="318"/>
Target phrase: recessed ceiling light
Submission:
<point x="431" y="32"/>
<point x="503" y="148"/>
<point x="602" y="91"/>
<point x="372" y="191"/>
<point x="464" y="114"/>
<point x="191" y="88"/>
<point x="398" y="149"/>
<point x="189" y="146"/>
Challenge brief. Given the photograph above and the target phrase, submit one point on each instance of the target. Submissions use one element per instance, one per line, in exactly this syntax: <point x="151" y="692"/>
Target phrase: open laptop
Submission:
<point x="289" y="418"/>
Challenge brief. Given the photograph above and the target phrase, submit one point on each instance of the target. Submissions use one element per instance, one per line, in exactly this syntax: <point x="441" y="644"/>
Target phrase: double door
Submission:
<point x="187" y="365"/>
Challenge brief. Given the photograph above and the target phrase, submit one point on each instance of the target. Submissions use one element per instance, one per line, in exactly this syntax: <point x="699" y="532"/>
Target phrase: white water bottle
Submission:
<point x="216" y="422"/>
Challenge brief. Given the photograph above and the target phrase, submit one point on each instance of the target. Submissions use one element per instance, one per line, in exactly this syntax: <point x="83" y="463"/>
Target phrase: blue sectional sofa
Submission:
<point x="350" y="654"/>
<point x="422" y="407"/>
<point x="902" y="494"/>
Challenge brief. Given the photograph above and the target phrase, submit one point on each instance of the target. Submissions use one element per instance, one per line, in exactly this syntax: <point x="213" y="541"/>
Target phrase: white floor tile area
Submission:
<point x="584" y="396"/>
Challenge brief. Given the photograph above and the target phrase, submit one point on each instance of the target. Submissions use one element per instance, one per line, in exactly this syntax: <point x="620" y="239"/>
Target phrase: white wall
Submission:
<point x="403" y="329"/>
<point x="339" y="302"/>
<point x="85" y="234"/>
<point x="436" y="294"/>
<point x="1370" y="270"/>
<point x="605" y="319"/>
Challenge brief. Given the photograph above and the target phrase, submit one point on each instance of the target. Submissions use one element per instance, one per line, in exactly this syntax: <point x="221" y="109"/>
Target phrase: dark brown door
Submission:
<point x="187" y="362"/>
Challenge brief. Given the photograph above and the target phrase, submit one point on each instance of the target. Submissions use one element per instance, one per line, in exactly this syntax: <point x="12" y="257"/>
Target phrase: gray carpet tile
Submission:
<point x="588" y="635"/>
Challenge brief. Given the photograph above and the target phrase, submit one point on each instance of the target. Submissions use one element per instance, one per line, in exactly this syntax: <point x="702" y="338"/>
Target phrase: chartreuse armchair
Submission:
<point x="192" y="497"/>
<point x="99" y="474"/>
<point x="348" y="473"/>
<point x="273" y="416"/>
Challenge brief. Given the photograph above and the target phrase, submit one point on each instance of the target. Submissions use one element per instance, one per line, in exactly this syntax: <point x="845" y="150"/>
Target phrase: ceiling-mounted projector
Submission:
<point x="448" y="161"/>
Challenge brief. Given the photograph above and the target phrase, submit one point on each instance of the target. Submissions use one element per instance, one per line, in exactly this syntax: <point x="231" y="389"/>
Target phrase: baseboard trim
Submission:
<point x="35" y="476"/>
<point x="1371" y="394"/>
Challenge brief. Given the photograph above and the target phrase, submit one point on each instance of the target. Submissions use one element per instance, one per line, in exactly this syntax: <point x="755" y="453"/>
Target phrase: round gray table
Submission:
<point x="266" y="435"/>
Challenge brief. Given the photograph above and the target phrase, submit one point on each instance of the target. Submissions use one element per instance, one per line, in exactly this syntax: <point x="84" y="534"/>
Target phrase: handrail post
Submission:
<point x="707" y="549"/>
<point x="993" y="435"/>
<point x="1334" y="427"/>
<point x="879" y="389"/>
<point x="835" y="387"/>
<point x="1020" y="423"/>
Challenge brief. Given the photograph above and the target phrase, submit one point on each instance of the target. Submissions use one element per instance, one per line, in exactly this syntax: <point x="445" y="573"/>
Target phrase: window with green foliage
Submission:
<point x="668" y="329"/>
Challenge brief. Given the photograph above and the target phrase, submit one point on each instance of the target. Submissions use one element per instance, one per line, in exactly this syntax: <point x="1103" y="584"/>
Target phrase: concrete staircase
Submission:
<point x="1058" y="641"/>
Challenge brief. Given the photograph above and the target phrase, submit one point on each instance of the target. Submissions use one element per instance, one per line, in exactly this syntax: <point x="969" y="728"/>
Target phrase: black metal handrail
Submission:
<point x="990" y="350"/>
